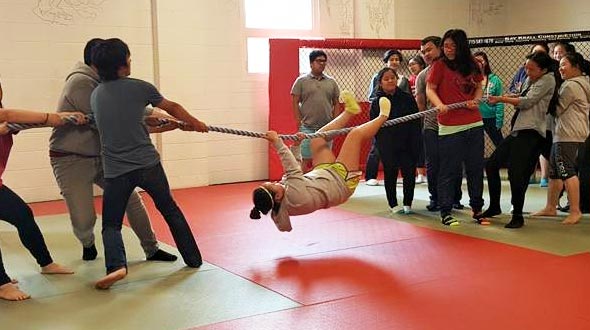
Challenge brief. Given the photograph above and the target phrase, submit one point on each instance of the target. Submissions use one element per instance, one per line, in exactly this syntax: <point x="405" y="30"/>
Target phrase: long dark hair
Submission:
<point x="577" y="60"/>
<point x="463" y="62"/>
<point x="487" y="70"/>
<point x="263" y="202"/>
<point x="545" y="62"/>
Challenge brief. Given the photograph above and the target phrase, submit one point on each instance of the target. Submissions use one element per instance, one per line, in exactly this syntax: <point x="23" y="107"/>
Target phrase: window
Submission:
<point x="266" y="19"/>
<point x="279" y="14"/>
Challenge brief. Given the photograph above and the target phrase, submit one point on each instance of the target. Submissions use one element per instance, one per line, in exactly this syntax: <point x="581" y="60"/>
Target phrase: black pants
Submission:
<point x="522" y="151"/>
<point x="116" y="194"/>
<point x="16" y="212"/>
<point x="373" y="159"/>
<point x="430" y="139"/>
<point x="390" y="172"/>
<point x="457" y="151"/>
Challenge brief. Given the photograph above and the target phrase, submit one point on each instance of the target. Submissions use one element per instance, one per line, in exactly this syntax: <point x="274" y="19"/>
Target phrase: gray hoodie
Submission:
<point x="306" y="193"/>
<point x="572" y="123"/>
<point x="533" y="106"/>
<point x="72" y="139"/>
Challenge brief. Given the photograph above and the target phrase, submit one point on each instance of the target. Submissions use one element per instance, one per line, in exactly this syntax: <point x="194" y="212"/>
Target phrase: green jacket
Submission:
<point x="493" y="87"/>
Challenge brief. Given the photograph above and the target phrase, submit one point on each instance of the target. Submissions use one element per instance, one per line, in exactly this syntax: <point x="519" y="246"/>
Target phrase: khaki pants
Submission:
<point x="75" y="176"/>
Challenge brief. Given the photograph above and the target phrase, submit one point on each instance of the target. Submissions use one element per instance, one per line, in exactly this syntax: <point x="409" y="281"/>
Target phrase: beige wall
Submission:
<point x="202" y="65"/>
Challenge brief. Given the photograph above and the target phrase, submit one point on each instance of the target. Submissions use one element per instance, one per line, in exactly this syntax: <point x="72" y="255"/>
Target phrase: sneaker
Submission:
<point x="458" y="206"/>
<point x="397" y="210"/>
<point x="480" y="218"/>
<point x="372" y="182"/>
<point x="421" y="179"/>
<point x="544" y="183"/>
<point x="432" y="207"/>
<point x="517" y="221"/>
<point x="448" y="220"/>
<point x="491" y="212"/>
<point x="408" y="210"/>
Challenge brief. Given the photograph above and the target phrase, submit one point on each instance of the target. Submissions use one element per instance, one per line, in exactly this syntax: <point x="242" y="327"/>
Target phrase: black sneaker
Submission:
<point x="458" y="206"/>
<point x="480" y="218"/>
<point x="490" y="212"/>
<point x="432" y="207"/>
<point x="516" y="222"/>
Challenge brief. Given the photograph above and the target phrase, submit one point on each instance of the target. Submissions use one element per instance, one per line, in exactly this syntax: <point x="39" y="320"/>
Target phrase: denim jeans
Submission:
<point x="16" y="212"/>
<point x="456" y="150"/>
<point x="75" y="176"/>
<point x="116" y="193"/>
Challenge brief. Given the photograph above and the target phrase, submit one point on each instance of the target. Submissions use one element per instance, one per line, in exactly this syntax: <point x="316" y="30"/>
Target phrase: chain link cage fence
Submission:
<point x="353" y="68"/>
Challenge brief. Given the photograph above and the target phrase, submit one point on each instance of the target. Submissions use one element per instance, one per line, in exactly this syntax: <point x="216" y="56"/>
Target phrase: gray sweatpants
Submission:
<point x="75" y="176"/>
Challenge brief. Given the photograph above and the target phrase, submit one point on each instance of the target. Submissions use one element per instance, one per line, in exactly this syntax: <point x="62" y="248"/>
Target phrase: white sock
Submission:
<point x="384" y="106"/>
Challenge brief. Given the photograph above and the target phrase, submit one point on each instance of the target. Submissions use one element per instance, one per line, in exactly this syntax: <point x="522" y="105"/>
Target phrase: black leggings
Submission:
<point x="522" y="150"/>
<point x="16" y="212"/>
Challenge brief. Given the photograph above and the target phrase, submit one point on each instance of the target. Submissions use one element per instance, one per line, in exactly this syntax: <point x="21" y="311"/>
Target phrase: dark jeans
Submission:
<point x="455" y="151"/>
<point x="489" y="124"/>
<point x="430" y="139"/>
<point x="17" y="213"/>
<point x="373" y="159"/>
<point x="522" y="152"/>
<point x="116" y="194"/>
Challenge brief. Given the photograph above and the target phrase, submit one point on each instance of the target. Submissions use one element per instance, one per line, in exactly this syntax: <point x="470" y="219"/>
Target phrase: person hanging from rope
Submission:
<point x="333" y="178"/>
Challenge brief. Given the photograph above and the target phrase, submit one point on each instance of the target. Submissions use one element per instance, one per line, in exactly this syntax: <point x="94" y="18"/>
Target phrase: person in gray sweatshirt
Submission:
<point x="333" y="178"/>
<point x="76" y="160"/>
<point x="524" y="144"/>
<point x="572" y="127"/>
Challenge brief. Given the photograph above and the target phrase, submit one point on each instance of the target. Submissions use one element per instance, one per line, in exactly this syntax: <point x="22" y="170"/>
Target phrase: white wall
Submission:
<point x="202" y="65"/>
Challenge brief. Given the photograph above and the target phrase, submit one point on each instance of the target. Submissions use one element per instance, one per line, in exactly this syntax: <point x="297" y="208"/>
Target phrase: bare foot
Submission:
<point x="572" y="219"/>
<point x="11" y="292"/>
<point x="546" y="213"/>
<point x="54" y="268"/>
<point x="107" y="281"/>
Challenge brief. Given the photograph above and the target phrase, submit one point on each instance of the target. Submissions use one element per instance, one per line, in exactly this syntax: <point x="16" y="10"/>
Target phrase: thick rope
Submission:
<point x="342" y="131"/>
<point x="292" y="137"/>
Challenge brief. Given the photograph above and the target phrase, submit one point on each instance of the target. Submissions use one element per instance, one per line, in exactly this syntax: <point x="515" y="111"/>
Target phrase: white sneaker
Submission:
<point x="372" y="182"/>
<point x="396" y="210"/>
